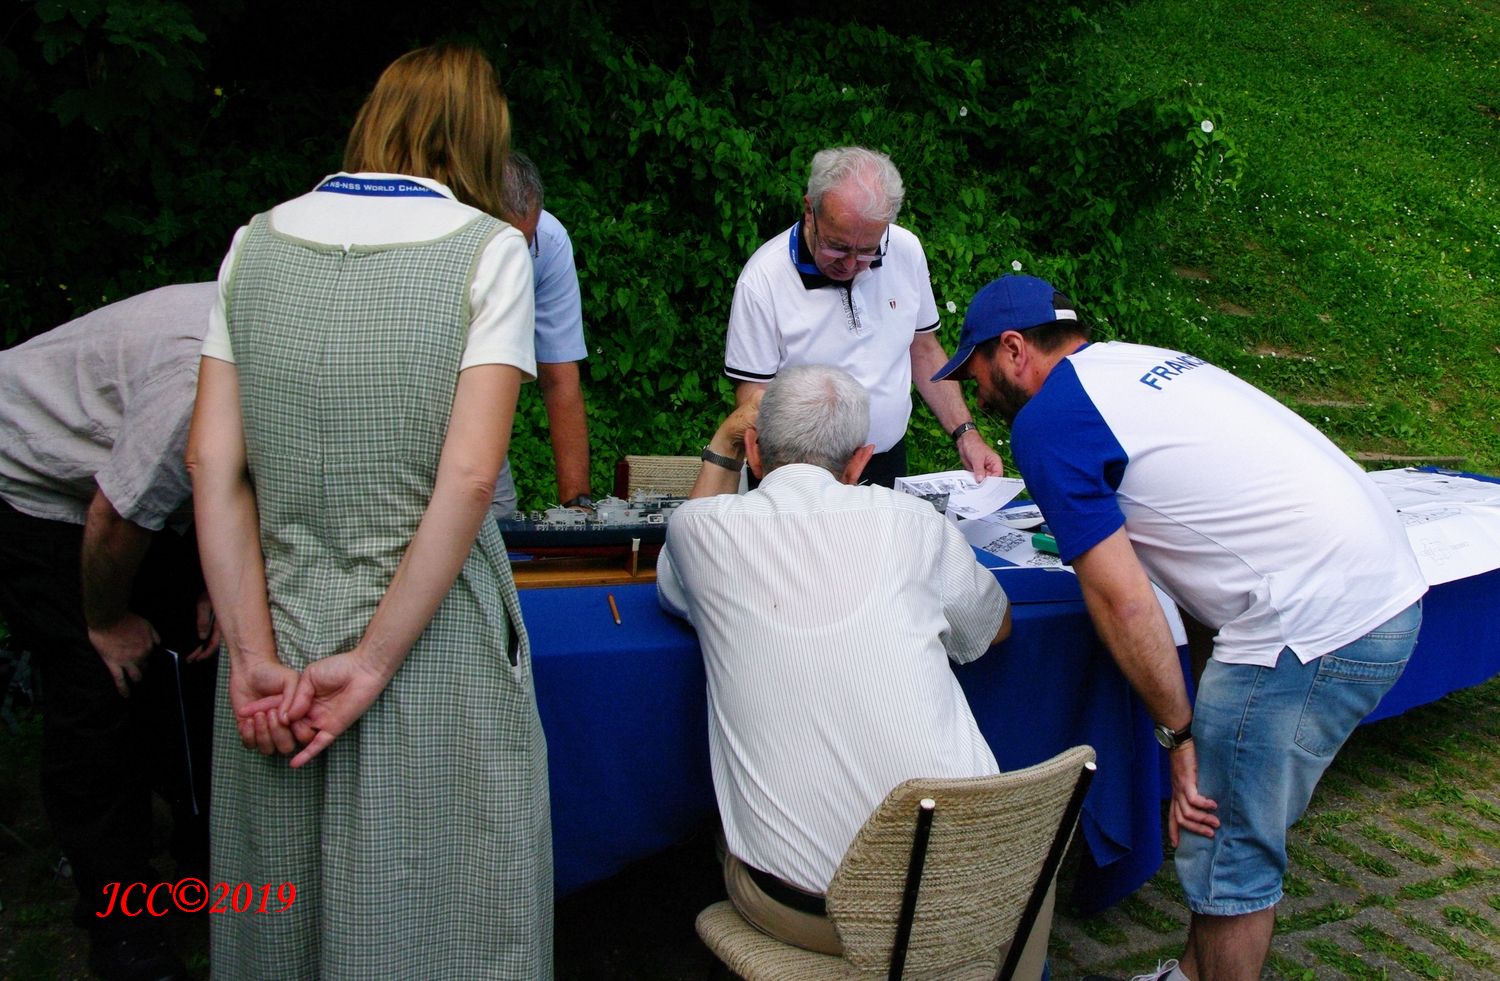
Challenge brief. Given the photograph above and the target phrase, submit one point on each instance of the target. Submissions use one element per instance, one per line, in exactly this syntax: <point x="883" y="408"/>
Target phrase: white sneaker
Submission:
<point x="1163" y="968"/>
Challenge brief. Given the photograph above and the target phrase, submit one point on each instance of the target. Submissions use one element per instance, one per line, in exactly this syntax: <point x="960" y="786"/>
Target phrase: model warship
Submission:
<point x="615" y="526"/>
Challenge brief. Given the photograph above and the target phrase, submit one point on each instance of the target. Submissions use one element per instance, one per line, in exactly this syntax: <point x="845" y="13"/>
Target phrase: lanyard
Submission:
<point x="805" y="268"/>
<point x="378" y="187"/>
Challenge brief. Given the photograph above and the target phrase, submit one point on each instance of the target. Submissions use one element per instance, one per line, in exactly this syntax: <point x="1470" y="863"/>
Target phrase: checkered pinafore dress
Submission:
<point x="419" y="842"/>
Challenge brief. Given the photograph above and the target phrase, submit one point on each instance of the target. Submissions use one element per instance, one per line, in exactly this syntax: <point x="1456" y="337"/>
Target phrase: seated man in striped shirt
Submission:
<point x="827" y="613"/>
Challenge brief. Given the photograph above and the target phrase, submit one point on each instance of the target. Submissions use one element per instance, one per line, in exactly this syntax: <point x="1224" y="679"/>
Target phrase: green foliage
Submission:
<point x="146" y="65"/>
<point x="1317" y="916"/>
<point x="114" y="133"/>
<point x="674" y="139"/>
<point x="1468" y="919"/>
<point x="1343" y="248"/>
<point x="671" y="159"/>
<point x="1331" y="236"/>
<point x="1217" y="165"/>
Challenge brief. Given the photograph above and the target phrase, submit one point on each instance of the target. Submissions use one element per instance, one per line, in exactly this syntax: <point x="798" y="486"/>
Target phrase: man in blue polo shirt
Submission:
<point x="1150" y="464"/>
<point x="559" y="339"/>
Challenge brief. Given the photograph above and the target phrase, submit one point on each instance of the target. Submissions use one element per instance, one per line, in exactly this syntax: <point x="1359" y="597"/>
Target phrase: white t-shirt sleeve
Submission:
<point x="927" y="310"/>
<point x="216" y="342"/>
<point x="502" y="303"/>
<point x="752" y="346"/>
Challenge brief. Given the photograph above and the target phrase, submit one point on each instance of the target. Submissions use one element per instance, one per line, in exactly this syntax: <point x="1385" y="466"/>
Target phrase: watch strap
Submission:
<point x="720" y="460"/>
<point x="1172" y="738"/>
<point x="961" y="429"/>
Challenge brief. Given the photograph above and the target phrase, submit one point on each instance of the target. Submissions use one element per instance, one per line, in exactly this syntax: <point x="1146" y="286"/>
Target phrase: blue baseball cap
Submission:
<point x="1008" y="303"/>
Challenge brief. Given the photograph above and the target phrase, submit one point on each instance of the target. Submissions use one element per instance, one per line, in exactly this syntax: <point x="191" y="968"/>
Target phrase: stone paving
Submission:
<point x="1395" y="869"/>
<point x="1395" y="874"/>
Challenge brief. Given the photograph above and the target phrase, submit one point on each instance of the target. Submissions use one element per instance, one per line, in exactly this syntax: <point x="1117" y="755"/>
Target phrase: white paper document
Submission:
<point x="1410" y="488"/>
<point x="991" y="534"/>
<point x="1022" y="516"/>
<point x="966" y="499"/>
<point x="1453" y="522"/>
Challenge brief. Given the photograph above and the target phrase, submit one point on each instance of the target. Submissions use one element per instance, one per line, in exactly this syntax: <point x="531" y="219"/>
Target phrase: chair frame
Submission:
<point x="925" y="813"/>
<point x="870" y="872"/>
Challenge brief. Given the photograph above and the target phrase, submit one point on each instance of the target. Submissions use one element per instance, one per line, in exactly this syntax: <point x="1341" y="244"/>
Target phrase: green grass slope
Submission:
<point x="1354" y="272"/>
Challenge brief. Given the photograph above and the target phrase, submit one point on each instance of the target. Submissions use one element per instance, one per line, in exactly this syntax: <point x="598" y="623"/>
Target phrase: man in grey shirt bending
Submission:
<point x="99" y="580"/>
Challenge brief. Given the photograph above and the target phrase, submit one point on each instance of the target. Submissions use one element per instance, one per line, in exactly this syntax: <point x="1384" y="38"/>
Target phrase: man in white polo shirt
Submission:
<point x="847" y="287"/>
<point x="1153" y="463"/>
<point x="827" y="614"/>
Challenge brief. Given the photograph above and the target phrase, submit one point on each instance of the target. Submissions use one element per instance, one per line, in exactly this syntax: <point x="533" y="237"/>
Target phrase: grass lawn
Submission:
<point x="1356" y="272"/>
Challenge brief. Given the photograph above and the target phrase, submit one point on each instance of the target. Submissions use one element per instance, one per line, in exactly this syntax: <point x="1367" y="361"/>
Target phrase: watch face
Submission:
<point x="1172" y="738"/>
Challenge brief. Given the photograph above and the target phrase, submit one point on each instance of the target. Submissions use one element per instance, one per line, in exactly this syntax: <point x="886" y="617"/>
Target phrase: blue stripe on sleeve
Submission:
<point x="1071" y="462"/>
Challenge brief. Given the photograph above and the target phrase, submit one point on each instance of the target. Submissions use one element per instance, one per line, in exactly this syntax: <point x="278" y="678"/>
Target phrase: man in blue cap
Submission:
<point x="1153" y="465"/>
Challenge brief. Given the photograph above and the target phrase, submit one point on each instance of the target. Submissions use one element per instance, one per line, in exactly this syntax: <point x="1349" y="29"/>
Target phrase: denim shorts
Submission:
<point x="1264" y="736"/>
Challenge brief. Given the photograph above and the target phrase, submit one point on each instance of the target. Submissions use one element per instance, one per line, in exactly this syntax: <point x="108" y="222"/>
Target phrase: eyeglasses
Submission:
<point x="833" y="252"/>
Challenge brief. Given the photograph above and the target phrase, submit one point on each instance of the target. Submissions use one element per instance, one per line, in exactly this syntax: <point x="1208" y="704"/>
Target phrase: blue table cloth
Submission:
<point x="625" y="712"/>
<point x="1052" y="685"/>
<point x="1459" y="645"/>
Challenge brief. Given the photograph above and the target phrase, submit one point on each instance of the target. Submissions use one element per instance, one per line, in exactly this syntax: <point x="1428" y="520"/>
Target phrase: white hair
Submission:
<point x="812" y="413"/>
<point x="521" y="190"/>
<point x="874" y="181"/>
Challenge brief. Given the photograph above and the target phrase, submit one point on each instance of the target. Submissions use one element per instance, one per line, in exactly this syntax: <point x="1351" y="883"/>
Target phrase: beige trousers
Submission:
<point x="806" y="930"/>
<point x="812" y="932"/>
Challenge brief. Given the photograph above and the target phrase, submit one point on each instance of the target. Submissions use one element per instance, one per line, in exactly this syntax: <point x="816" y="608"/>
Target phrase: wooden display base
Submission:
<point x="543" y="572"/>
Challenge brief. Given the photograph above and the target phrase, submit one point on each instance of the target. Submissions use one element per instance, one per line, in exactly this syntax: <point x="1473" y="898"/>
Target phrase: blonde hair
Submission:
<point x="437" y="112"/>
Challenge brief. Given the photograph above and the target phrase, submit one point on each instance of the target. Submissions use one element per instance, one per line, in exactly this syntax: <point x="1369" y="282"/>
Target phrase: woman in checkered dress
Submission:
<point x="378" y="747"/>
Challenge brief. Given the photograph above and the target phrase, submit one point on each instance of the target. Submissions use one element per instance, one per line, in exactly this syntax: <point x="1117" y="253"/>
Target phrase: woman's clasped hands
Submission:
<point x="279" y="711"/>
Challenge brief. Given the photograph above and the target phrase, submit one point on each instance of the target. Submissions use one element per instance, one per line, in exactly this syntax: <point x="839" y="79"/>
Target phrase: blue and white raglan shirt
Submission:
<point x="1240" y="510"/>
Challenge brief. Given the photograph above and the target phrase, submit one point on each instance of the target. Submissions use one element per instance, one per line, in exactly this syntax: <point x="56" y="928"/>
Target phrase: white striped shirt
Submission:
<point x="826" y="615"/>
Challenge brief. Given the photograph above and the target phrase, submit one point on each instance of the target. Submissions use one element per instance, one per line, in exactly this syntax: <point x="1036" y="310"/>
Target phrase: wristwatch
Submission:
<point x="720" y="460"/>
<point x="961" y="429"/>
<point x="581" y="501"/>
<point x="1172" y="738"/>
